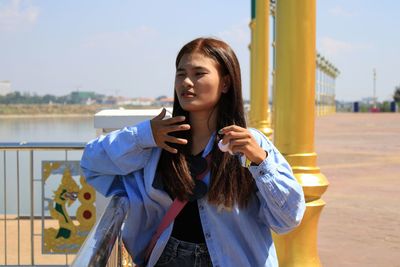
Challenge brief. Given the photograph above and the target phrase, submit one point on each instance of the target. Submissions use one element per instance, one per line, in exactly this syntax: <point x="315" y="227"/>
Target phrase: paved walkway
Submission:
<point x="24" y="257"/>
<point x="360" y="156"/>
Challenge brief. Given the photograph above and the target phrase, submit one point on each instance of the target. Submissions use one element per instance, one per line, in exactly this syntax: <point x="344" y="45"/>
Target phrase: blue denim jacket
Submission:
<point x="126" y="161"/>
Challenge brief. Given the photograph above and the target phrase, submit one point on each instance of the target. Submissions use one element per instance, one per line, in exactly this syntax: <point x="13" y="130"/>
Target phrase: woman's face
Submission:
<point x="198" y="83"/>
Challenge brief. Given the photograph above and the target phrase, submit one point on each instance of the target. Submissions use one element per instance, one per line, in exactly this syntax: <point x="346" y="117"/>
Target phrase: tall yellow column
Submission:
<point x="294" y="124"/>
<point x="259" y="114"/>
<point x="252" y="47"/>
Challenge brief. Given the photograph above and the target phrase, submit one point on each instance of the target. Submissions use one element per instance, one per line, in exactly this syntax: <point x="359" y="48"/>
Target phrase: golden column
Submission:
<point x="294" y="124"/>
<point x="259" y="114"/>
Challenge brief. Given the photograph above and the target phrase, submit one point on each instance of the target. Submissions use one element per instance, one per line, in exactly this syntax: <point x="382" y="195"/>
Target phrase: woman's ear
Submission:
<point x="226" y="84"/>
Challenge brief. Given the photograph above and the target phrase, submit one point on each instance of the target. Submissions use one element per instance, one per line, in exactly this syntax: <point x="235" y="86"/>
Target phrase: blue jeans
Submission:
<point x="179" y="253"/>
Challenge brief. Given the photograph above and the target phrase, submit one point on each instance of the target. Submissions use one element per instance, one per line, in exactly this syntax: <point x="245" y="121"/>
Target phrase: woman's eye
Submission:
<point x="179" y="74"/>
<point x="200" y="73"/>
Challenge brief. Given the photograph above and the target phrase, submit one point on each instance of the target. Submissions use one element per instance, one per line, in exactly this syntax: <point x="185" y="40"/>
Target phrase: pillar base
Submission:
<point x="298" y="248"/>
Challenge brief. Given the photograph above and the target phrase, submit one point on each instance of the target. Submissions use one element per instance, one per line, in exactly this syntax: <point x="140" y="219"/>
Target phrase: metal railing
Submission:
<point x="98" y="246"/>
<point x="19" y="237"/>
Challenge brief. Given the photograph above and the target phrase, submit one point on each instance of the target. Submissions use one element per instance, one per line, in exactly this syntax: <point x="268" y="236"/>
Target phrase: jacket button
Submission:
<point x="208" y="235"/>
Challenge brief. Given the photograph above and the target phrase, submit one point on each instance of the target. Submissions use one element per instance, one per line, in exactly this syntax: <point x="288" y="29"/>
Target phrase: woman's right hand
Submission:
<point x="161" y="128"/>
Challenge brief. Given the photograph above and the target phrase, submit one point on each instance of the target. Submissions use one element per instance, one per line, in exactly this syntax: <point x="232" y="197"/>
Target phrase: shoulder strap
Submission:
<point x="173" y="211"/>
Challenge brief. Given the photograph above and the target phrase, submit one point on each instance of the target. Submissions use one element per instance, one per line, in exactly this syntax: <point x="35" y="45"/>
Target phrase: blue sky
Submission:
<point x="128" y="47"/>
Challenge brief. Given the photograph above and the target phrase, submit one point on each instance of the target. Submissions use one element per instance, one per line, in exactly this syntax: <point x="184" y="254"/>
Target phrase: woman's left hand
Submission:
<point x="242" y="141"/>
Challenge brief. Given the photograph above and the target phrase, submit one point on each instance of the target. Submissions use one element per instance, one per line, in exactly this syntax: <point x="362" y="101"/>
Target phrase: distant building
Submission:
<point x="164" y="101"/>
<point x="110" y="100"/>
<point x="141" y="101"/>
<point x="5" y="87"/>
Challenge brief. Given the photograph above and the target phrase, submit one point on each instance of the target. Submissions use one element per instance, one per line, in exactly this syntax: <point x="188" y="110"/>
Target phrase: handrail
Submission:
<point x="42" y="145"/>
<point x="98" y="245"/>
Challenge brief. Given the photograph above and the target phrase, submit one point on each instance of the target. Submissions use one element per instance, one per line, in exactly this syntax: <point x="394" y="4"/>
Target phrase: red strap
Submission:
<point x="171" y="214"/>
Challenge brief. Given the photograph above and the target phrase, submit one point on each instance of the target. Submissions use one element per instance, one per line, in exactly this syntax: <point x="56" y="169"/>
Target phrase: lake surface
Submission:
<point x="32" y="129"/>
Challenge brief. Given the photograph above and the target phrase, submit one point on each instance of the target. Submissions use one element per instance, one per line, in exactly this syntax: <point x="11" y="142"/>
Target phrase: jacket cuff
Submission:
<point x="265" y="170"/>
<point x="265" y="174"/>
<point x="145" y="135"/>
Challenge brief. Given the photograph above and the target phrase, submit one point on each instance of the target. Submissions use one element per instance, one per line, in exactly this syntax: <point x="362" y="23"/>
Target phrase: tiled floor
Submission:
<point x="360" y="156"/>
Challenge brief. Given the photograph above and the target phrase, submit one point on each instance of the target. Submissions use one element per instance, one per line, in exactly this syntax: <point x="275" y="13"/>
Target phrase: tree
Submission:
<point x="396" y="96"/>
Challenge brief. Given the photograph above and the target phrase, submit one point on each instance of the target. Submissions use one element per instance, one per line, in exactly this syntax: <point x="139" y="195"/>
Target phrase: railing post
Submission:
<point x="18" y="213"/>
<point x="32" y="209"/>
<point x="5" y="207"/>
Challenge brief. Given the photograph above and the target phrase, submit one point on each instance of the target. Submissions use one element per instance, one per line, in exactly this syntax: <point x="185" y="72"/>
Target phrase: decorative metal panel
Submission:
<point x="68" y="204"/>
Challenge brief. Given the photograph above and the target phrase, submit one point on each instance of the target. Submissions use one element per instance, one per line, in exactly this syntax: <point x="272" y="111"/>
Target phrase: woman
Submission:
<point x="230" y="211"/>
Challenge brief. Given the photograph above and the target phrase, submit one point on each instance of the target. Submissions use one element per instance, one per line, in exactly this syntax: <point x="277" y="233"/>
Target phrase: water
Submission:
<point x="51" y="129"/>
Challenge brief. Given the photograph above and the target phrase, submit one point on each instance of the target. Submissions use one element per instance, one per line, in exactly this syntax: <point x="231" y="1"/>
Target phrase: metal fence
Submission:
<point x="22" y="213"/>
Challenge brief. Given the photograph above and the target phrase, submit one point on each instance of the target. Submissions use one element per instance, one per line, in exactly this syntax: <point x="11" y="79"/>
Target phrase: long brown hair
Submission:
<point x="230" y="182"/>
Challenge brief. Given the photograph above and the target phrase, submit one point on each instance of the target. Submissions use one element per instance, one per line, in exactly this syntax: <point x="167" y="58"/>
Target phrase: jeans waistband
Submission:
<point x="188" y="246"/>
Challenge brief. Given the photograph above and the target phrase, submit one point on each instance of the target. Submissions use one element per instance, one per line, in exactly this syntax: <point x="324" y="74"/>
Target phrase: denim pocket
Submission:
<point x="168" y="255"/>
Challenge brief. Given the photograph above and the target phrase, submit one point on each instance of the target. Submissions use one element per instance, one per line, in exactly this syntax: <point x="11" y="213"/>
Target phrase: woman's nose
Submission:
<point x="187" y="82"/>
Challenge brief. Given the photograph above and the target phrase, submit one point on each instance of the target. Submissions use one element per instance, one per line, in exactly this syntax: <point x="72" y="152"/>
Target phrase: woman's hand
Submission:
<point x="161" y="128"/>
<point x="240" y="140"/>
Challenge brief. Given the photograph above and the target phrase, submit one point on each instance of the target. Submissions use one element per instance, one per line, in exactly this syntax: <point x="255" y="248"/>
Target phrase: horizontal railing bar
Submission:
<point x="39" y="217"/>
<point x="42" y="145"/>
<point x="26" y="217"/>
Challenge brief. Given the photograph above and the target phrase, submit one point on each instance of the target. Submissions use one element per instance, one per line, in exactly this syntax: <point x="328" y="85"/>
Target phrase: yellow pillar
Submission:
<point x="294" y="121"/>
<point x="259" y="114"/>
<point x="252" y="47"/>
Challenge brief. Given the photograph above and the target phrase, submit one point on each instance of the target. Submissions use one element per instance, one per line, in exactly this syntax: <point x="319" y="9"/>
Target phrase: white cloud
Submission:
<point x="339" y="11"/>
<point x="16" y="16"/>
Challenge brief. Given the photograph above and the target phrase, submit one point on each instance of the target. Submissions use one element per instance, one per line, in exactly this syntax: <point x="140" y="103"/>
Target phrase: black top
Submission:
<point x="187" y="225"/>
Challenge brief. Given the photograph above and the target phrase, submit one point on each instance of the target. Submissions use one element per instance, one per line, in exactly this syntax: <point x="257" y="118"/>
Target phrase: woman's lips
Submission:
<point x="188" y="94"/>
